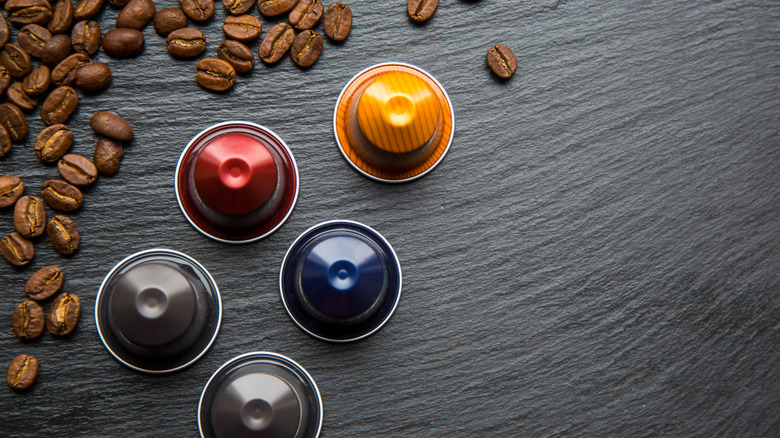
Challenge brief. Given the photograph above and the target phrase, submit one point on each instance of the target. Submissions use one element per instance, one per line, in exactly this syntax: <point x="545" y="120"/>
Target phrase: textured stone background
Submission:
<point x="597" y="255"/>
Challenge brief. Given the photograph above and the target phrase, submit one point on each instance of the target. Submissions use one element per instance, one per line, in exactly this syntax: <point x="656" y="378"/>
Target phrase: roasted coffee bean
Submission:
<point x="29" y="216"/>
<point x="57" y="49"/>
<point x="306" y="48"/>
<point x="197" y="10"/>
<point x="123" y="43"/>
<point x="108" y="155"/>
<point x="118" y="3"/>
<point x="77" y="170"/>
<point x="421" y="10"/>
<point x="12" y="119"/>
<point x="46" y="282"/>
<point x="16" y="249"/>
<point x="22" y="12"/>
<point x="238" y="7"/>
<point x="64" y="314"/>
<point x="502" y="61"/>
<point x="86" y="9"/>
<point x="37" y="81"/>
<point x="11" y="189"/>
<point x="63" y="235"/>
<point x="215" y="74"/>
<point x="59" y="105"/>
<point x="61" y="195"/>
<point x="32" y="38"/>
<point x="62" y="17"/>
<point x="53" y="143"/>
<point x="237" y="54"/>
<point x="306" y="14"/>
<point x="5" y="142"/>
<point x="244" y="28"/>
<point x="136" y="14"/>
<point x="4" y="31"/>
<point x="16" y="60"/>
<point x="168" y="20"/>
<point x="276" y="43"/>
<point x="64" y="73"/>
<point x="18" y="97"/>
<point x="28" y="320"/>
<point x="93" y="77"/>
<point x="5" y="78"/>
<point x="86" y="37"/>
<point x="111" y="125"/>
<point x="337" y="21"/>
<point x="272" y="8"/>
<point x="186" y="43"/>
<point x="22" y="372"/>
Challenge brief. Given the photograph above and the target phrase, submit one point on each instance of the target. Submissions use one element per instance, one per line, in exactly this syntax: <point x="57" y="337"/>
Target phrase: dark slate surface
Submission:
<point x="597" y="255"/>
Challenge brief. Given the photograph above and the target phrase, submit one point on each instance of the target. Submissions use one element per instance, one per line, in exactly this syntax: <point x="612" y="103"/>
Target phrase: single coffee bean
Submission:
<point x="276" y="43"/>
<point x="44" y="283"/>
<point x="238" y="7"/>
<point x="337" y="21"/>
<point x="18" y="97"/>
<point x="168" y="20"/>
<point x="77" y="170"/>
<point x="5" y="33"/>
<point x="306" y="48"/>
<point x="136" y="14"/>
<point x="11" y="189"/>
<point x="22" y="372"/>
<point x="502" y="61"/>
<point x="64" y="73"/>
<point x="37" y="81"/>
<point x="12" y="119"/>
<point x="272" y="8"/>
<point x="63" y="235"/>
<point x="5" y="78"/>
<point x="16" y="249"/>
<point x="28" y="320"/>
<point x="86" y="9"/>
<point x="93" y="77"/>
<point x="421" y="10"/>
<point x="244" y="28"/>
<point x="64" y="314"/>
<point x="237" y="54"/>
<point x="123" y="43"/>
<point x="86" y="37"/>
<point x="118" y="3"/>
<point x="111" y="125"/>
<point x="32" y="38"/>
<point x="57" y="49"/>
<point x="62" y="17"/>
<point x="215" y="74"/>
<point x="5" y="142"/>
<point x="53" y="142"/>
<point x="306" y="14"/>
<point x="197" y="10"/>
<point x="108" y="155"/>
<point x="59" y="105"/>
<point x="22" y="12"/>
<point x="29" y="216"/>
<point x="61" y="195"/>
<point x="186" y="43"/>
<point x="16" y="60"/>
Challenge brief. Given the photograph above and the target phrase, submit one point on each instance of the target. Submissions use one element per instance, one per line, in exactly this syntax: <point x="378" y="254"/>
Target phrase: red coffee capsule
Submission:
<point x="236" y="182"/>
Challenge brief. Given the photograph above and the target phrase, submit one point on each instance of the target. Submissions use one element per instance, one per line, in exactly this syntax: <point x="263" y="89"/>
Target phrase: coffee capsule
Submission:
<point x="236" y="182"/>
<point x="258" y="395"/>
<point x="158" y="311"/>
<point x="393" y="122"/>
<point x="340" y="281"/>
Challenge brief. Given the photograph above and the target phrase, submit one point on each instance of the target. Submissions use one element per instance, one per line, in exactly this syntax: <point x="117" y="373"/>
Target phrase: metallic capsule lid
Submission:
<point x="259" y="395"/>
<point x="340" y="281"/>
<point x="158" y="311"/>
<point x="393" y="122"/>
<point x="236" y="182"/>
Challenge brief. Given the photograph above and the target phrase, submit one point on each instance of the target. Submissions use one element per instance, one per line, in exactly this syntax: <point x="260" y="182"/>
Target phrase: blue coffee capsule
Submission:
<point x="340" y="281"/>
<point x="158" y="311"/>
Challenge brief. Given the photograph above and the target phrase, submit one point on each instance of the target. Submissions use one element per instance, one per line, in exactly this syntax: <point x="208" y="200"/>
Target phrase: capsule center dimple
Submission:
<point x="343" y="274"/>
<point x="151" y="302"/>
<point x="400" y="110"/>
<point x="235" y="173"/>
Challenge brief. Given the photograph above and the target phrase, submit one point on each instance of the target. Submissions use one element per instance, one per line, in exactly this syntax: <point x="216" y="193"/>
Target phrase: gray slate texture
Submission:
<point x="597" y="255"/>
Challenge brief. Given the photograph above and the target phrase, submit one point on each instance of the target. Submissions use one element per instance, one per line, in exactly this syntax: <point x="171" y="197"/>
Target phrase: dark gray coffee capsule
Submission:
<point x="259" y="395"/>
<point x="158" y="311"/>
